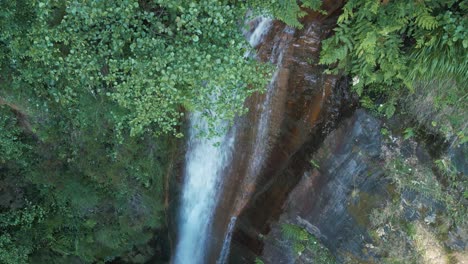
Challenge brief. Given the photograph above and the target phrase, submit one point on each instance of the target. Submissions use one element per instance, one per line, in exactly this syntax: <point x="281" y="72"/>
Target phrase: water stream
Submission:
<point x="203" y="181"/>
<point x="203" y="167"/>
<point x="227" y="242"/>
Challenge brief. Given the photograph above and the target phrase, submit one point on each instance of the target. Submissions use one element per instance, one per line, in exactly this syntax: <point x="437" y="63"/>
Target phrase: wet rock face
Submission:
<point x="329" y="199"/>
<point x="323" y="165"/>
<point x="352" y="197"/>
<point x="305" y="106"/>
<point x="458" y="154"/>
<point x="351" y="182"/>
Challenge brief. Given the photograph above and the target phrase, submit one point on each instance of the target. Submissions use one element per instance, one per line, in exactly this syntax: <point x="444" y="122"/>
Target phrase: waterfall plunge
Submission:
<point x="204" y="165"/>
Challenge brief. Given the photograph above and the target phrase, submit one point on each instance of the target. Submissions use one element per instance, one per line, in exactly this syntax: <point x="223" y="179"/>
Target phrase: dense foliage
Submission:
<point x="151" y="58"/>
<point x="288" y="11"/>
<point x="91" y="93"/>
<point x="302" y="242"/>
<point x="392" y="49"/>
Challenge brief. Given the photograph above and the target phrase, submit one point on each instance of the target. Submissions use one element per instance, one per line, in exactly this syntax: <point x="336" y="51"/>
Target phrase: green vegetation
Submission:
<point x="76" y="193"/>
<point x="427" y="204"/>
<point x="440" y="107"/>
<point x="259" y="261"/>
<point x="314" y="164"/>
<point x="442" y="183"/>
<point x="150" y="58"/>
<point x="93" y="96"/>
<point x="394" y="49"/>
<point x="302" y="242"/>
<point x="288" y="11"/>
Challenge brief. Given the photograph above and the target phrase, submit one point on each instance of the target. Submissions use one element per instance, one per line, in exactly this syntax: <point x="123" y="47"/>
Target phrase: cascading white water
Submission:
<point x="204" y="164"/>
<point x="202" y="182"/>
<point x="227" y="242"/>
<point x="262" y="28"/>
<point x="254" y="39"/>
<point x="263" y="136"/>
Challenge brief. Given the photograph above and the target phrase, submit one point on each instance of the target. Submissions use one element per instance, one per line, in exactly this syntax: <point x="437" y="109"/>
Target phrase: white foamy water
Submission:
<point x="227" y="242"/>
<point x="254" y="39"/>
<point x="204" y="165"/>
<point x="260" y="31"/>
<point x="202" y="180"/>
<point x="261" y="146"/>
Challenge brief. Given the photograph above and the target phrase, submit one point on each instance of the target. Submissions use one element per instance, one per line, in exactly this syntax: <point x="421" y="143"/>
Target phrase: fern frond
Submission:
<point x="294" y="233"/>
<point x="426" y="21"/>
<point x="298" y="248"/>
<point x="313" y="5"/>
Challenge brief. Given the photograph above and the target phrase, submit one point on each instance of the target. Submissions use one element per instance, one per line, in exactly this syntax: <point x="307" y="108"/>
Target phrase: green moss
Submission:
<point x="302" y="242"/>
<point x="409" y="228"/>
<point x="362" y="203"/>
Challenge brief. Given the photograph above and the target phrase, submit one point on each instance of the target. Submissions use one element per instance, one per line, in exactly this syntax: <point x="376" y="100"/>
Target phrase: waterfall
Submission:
<point x="254" y="40"/>
<point x="262" y="28"/>
<point x="202" y="181"/>
<point x="227" y="242"/>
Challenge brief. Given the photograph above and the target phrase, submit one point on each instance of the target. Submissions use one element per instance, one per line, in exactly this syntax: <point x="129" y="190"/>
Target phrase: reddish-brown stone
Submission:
<point x="305" y="103"/>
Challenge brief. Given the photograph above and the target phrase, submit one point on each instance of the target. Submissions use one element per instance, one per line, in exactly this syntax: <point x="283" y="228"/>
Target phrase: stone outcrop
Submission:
<point x="304" y="156"/>
<point x="362" y="201"/>
<point x="343" y="180"/>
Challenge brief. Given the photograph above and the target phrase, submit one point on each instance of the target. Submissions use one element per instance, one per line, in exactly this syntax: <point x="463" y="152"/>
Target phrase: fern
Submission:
<point x="392" y="45"/>
<point x="288" y="11"/>
<point x="340" y="52"/>
<point x="367" y="48"/>
<point x="313" y="5"/>
<point x="258" y="261"/>
<point x="294" y="233"/>
<point x="347" y="13"/>
<point x="298" y="248"/>
<point x="426" y="21"/>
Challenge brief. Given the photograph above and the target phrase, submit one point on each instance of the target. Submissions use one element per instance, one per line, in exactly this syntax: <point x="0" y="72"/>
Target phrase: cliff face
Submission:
<point x="372" y="198"/>
<point x="350" y="181"/>
<point x="342" y="182"/>
<point x="313" y="180"/>
<point x="283" y="124"/>
<point x="301" y="106"/>
<point x="345" y="179"/>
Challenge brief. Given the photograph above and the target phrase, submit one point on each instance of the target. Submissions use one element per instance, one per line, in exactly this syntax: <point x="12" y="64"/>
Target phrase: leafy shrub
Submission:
<point x="389" y="45"/>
